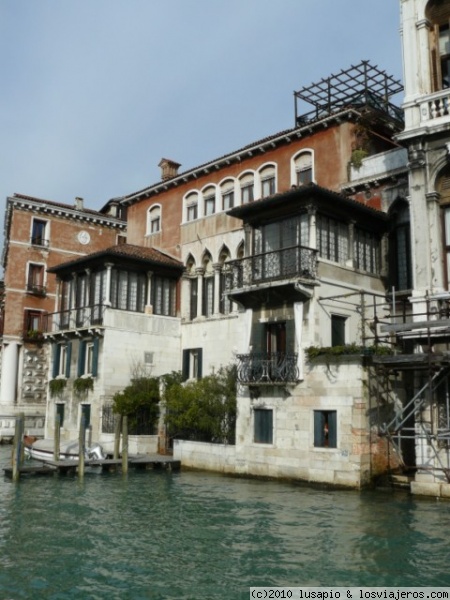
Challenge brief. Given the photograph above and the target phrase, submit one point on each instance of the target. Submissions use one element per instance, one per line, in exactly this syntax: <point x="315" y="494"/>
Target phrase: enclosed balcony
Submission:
<point x="273" y="273"/>
<point x="75" y="318"/>
<point x="297" y="261"/>
<point x="274" y="368"/>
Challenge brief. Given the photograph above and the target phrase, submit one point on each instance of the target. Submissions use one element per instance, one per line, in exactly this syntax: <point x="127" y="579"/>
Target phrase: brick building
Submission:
<point x="38" y="235"/>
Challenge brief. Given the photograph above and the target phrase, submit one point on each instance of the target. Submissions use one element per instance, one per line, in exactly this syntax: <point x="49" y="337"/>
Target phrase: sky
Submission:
<point x="95" y="92"/>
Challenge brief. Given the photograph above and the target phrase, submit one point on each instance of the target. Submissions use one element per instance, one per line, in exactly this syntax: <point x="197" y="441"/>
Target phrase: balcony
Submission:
<point x="272" y="368"/>
<point x="38" y="240"/>
<point x="75" y="318"/>
<point x="296" y="262"/>
<point x="436" y="108"/>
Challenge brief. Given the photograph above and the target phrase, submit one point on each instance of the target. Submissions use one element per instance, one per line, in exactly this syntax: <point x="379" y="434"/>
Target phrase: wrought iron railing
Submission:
<point x="297" y="261"/>
<point x="141" y="422"/>
<point x="38" y="240"/>
<point x="267" y="367"/>
<point x="75" y="318"/>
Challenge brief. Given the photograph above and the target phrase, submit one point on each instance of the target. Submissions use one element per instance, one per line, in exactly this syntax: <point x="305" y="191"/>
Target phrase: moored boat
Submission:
<point x="43" y="450"/>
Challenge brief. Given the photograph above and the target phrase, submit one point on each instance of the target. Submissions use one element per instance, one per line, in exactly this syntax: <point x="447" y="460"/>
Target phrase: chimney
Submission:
<point x="169" y="168"/>
<point x="79" y="203"/>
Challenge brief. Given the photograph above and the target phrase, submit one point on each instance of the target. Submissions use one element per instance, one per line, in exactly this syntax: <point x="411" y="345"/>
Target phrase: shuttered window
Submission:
<point x="325" y="429"/>
<point x="263" y="426"/>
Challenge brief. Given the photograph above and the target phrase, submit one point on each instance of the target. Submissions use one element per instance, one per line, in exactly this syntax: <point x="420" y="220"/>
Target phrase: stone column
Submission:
<point x="107" y="299"/>
<point x="149" y="307"/>
<point x="10" y="361"/>
<point x="217" y="271"/>
<point x="200" y="273"/>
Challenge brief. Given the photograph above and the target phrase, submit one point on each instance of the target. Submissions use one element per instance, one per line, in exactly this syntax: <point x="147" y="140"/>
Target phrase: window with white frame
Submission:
<point x="35" y="279"/>
<point x="128" y="290"/>
<point x="192" y="207"/>
<point x="154" y="219"/>
<point x="210" y="205"/>
<point x="247" y="184"/>
<point x="268" y="184"/>
<point x="303" y="168"/>
<point x="192" y="367"/>
<point x="227" y="191"/>
<point x="39" y="232"/>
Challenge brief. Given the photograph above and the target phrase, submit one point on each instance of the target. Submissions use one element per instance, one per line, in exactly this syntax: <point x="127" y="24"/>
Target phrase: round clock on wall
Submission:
<point x="84" y="237"/>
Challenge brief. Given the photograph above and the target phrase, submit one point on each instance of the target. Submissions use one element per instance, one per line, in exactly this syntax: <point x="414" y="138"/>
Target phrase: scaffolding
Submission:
<point x="407" y="354"/>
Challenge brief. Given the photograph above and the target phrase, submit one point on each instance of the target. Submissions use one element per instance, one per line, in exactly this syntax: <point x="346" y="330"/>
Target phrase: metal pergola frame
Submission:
<point x="362" y="84"/>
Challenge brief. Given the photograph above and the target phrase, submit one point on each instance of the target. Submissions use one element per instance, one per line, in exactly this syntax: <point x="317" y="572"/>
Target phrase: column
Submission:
<point x="10" y="361"/>
<point x="200" y="273"/>
<point x="217" y="271"/>
<point x="107" y="299"/>
<point x="149" y="307"/>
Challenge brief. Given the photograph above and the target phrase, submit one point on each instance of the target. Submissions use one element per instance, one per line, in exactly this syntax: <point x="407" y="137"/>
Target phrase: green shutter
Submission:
<point x="185" y="367"/>
<point x="81" y="358"/>
<point x="200" y="362"/>
<point x="319" y="425"/>
<point x="68" y="359"/>
<point x="332" y="429"/>
<point x="95" y="357"/>
<point x="290" y="336"/>
<point x="259" y="338"/>
<point x="56" y="355"/>
<point x="263" y="423"/>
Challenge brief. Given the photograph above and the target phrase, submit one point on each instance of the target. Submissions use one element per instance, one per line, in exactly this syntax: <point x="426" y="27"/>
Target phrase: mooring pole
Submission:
<point x="81" y="445"/>
<point x="117" y="428"/>
<point x="124" y="444"/>
<point x="57" y="440"/>
<point x="17" y="446"/>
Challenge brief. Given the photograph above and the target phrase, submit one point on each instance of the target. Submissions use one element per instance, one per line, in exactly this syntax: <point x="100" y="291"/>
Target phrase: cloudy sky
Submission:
<point x="95" y="92"/>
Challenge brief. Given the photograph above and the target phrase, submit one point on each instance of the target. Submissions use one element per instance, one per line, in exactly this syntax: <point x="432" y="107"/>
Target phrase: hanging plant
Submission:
<point x="82" y="385"/>
<point x="57" y="386"/>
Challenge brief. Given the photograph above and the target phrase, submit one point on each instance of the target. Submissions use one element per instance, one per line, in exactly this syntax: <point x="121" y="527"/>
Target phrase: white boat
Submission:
<point x="43" y="450"/>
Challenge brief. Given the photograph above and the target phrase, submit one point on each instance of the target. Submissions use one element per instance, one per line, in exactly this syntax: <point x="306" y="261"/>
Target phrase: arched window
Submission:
<point x="438" y="14"/>
<point x="268" y="181"/>
<point x="154" y="219"/>
<point x="209" y="199"/>
<point x="208" y="286"/>
<point x="303" y="168"/>
<point x="191" y="204"/>
<point x="193" y="286"/>
<point x="247" y="183"/>
<point x="227" y="194"/>
<point x="400" y="269"/>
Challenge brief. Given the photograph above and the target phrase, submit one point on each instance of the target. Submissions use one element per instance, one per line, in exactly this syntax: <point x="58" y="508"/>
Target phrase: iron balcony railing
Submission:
<point x="297" y="261"/>
<point x="267" y="368"/>
<point x="75" y="318"/>
<point x="38" y="240"/>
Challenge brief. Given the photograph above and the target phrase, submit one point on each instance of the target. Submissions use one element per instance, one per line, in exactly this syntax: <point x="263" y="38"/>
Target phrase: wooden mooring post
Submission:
<point x="81" y="446"/>
<point x="17" y="453"/>
<point x="57" y="439"/>
<point x="117" y="428"/>
<point x="125" y="444"/>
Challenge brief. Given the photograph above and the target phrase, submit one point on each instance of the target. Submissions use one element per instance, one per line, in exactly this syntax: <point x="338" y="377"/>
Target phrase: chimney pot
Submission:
<point x="79" y="203"/>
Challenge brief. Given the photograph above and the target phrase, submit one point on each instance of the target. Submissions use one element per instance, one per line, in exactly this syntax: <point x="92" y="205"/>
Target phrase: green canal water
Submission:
<point x="189" y="535"/>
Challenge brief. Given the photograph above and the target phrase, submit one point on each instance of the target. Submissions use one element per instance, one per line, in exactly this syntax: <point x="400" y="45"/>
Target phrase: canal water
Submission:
<point x="190" y="535"/>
